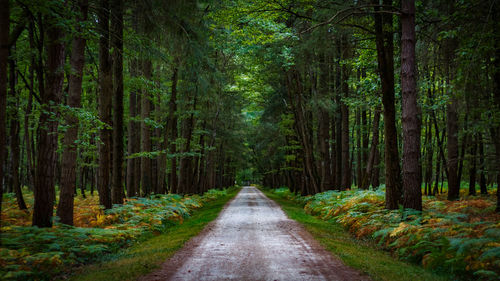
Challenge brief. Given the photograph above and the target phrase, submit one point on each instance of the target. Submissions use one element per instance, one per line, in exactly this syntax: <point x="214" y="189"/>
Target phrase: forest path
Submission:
<point x="253" y="239"/>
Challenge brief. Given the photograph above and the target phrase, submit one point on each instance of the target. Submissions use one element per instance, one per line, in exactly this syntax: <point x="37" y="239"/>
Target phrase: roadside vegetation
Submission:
<point x="32" y="253"/>
<point x="455" y="238"/>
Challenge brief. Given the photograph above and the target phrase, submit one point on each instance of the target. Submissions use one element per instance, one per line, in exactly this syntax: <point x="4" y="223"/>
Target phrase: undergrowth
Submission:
<point x="32" y="253"/>
<point x="459" y="237"/>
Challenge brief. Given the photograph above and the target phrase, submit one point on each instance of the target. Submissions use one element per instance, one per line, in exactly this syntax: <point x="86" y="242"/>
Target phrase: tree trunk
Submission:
<point x="185" y="163"/>
<point x="105" y="104"/>
<point x="68" y="172"/>
<point x="133" y="139"/>
<point x="496" y="93"/>
<point x="412" y="193"/>
<point x="28" y="136"/>
<point x="359" y="175"/>
<point x="385" y="58"/>
<point x="452" y="134"/>
<point x="482" y="177"/>
<point x="324" y="128"/>
<point x="117" y="47"/>
<point x="14" y="137"/>
<point x="172" y="131"/>
<point x="145" y="131"/>
<point x="365" y="183"/>
<point x="295" y="92"/>
<point x="346" y="163"/>
<point x="4" y="55"/>
<point x="47" y="132"/>
<point x="365" y="134"/>
<point x="472" y="168"/>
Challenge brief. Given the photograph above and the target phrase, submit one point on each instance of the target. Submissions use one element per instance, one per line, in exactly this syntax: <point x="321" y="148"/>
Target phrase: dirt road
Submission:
<point x="252" y="239"/>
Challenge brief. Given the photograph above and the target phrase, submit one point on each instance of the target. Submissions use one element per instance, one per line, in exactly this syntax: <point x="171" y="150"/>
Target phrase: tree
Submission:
<point x="69" y="157"/>
<point x="385" y="58"/>
<point x="45" y="174"/>
<point x="4" y="55"/>
<point x="105" y="103"/>
<point x="117" y="49"/>
<point x="412" y="181"/>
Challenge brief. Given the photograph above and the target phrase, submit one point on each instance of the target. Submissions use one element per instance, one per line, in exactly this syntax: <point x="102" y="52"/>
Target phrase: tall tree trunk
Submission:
<point x="117" y="47"/>
<point x="452" y="134"/>
<point x="295" y="92"/>
<point x="172" y="131"/>
<point x="105" y="104"/>
<point x="14" y="136"/>
<point x="375" y="179"/>
<point x="365" y="183"/>
<point x="465" y="144"/>
<point x="161" y="161"/>
<point x="47" y="132"/>
<point x="333" y="154"/>
<point x="133" y="139"/>
<point x="145" y="131"/>
<point x="324" y="128"/>
<point x="68" y="172"/>
<point x="482" y="177"/>
<point x="365" y="141"/>
<point x="385" y="58"/>
<point x="346" y="163"/>
<point x="185" y="163"/>
<point x="28" y="136"/>
<point x="359" y="175"/>
<point x="496" y="93"/>
<point x="412" y="181"/>
<point x="4" y="55"/>
<point x="472" y="167"/>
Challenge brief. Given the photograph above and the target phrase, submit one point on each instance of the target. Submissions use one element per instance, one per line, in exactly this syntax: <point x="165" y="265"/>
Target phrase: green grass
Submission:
<point x="362" y="255"/>
<point x="148" y="255"/>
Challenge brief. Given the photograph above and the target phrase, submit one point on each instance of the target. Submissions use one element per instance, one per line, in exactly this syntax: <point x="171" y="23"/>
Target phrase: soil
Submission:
<point x="253" y="239"/>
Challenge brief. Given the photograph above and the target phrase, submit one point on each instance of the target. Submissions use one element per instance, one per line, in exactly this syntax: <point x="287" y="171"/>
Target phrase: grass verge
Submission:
<point x="356" y="253"/>
<point x="148" y="255"/>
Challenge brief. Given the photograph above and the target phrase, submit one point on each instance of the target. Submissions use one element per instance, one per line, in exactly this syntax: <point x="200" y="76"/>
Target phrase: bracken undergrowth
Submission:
<point x="460" y="237"/>
<point x="32" y="253"/>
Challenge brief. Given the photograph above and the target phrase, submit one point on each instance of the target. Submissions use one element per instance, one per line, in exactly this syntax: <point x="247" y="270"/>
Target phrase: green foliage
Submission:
<point x="460" y="237"/>
<point x="53" y="251"/>
<point x="359" y="254"/>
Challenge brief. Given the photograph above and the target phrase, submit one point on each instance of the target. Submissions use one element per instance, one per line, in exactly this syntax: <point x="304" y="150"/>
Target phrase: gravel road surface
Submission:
<point x="253" y="239"/>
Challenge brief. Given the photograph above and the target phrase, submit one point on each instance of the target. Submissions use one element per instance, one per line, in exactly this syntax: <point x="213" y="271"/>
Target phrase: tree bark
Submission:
<point x="145" y="131"/>
<point x="324" y="128"/>
<point x="185" y="163"/>
<point x="365" y="183"/>
<point x="452" y="134"/>
<point x="105" y="104"/>
<point x="385" y="58"/>
<point x="295" y="91"/>
<point x="172" y="131"/>
<point x="344" y="109"/>
<point x="117" y="49"/>
<point x="412" y="192"/>
<point x="133" y="139"/>
<point x="482" y="177"/>
<point x="68" y="172"/>
<point x="14" y="138"/>
<point x="472" y="167"/>
<point x="45" y="174"/>
<point x="4" y="55"/>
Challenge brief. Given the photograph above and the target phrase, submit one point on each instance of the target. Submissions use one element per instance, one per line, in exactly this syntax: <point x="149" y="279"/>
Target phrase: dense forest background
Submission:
<point x="138" y="97"/>
<point x="128" y="98"/>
